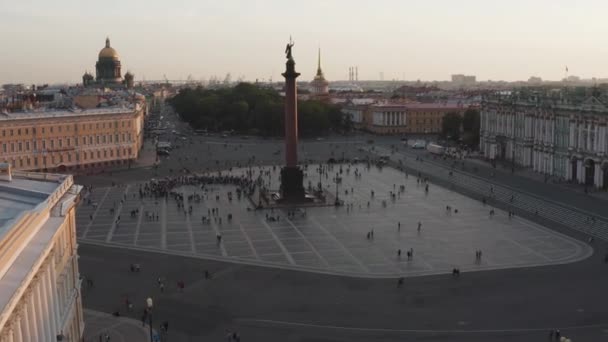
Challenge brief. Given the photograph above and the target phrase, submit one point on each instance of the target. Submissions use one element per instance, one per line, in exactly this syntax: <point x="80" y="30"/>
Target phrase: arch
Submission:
<point x="589" y="171"/>
<point x="62" y="168"/>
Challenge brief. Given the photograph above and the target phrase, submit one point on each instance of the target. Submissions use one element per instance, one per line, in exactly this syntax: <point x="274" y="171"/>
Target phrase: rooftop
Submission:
<point x="64" y="113"/>
<point x="20" y="195"/>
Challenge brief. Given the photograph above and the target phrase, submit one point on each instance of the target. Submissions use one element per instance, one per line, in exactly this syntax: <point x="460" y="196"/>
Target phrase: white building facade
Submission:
<point x="40" y="296"/>
<point x="553" y="135"/>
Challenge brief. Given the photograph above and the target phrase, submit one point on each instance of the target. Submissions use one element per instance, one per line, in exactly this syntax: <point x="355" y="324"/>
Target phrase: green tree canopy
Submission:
<point x="250" y="109"/>
<point x="450" y="126"/>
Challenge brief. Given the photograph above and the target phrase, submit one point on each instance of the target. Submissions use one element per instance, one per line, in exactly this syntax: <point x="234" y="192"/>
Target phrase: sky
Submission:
<point x="57" y="41"/>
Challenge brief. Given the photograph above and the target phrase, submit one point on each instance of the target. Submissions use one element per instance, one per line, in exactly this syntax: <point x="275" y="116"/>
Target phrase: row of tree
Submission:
<point x="247" y="108"/>
<point x="462" y="129"/>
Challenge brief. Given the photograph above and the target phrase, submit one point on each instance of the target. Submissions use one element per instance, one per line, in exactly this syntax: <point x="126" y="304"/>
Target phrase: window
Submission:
<point x="60" y="143"/>
<point x="20" y="147"/>
<point x="105" y="153"/>
<point x="59" y="128"/>
<point x="44" y="144"/>
<point x="104" y="139"/>
<point x="35" y="145"/>
<point x="110" y="137"/>
<point x="98" y="154"/>
<point x="27" y="145"/>
<point x="69" y="157"/>
<point x="27" y="131"/>
<point x="111" y="153"/>
<point x="61" y="158"/>
<point x="90" y="140"/>
<point x="11" y="132"/>
<point x="98" y="139"/>
<point x="97" y="125"/>
<point x="123" y="124"/>
<point x="69" y="141"/>
<point x="91" y="154"/>
<point x="12" y="147"/>
<point x="3" y="132"/>
<point x="117" y="140"/>
<point x="84" y="140"/>
<point x="51" y="129"/>
<point x="43" y="130"/>
<point x="4" y="148"/>
<point x="52" y="143"/>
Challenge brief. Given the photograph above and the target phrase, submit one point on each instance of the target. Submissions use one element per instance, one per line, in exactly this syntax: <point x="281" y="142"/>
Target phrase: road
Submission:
<point x="266" y="304"/>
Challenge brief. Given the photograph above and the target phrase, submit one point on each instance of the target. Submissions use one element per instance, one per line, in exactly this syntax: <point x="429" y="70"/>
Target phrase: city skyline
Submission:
<point x="56" y="43"/>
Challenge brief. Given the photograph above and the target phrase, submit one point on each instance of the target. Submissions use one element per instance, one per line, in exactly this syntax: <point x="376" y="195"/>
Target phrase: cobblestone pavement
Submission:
<point x="545" y="208"/>
<point x="333" y="240"/>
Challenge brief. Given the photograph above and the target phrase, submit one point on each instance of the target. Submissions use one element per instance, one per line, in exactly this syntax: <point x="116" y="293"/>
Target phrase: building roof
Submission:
<point x="20" y="195"/>
<point x="64" y="113"/>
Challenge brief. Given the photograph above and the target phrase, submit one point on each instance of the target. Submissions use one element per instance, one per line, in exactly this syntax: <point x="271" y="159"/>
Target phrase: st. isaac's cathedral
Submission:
<point x="107" y="70"/>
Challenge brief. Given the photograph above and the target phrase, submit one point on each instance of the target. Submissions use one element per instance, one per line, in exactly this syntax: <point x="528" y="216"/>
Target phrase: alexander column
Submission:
<point x="292" y="177"/>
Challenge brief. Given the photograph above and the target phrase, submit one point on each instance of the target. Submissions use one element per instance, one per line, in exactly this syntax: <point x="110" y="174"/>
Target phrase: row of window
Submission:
<point x="69" y="157"/>
<point x="69" y="142"/>
<point x="60" y="128"/>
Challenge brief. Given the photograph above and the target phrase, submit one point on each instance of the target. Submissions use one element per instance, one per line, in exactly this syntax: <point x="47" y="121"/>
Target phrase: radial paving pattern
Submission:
<point x="329" y="239"/>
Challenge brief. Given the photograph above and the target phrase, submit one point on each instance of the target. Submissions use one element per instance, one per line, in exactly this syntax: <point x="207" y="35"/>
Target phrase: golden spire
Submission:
<point x="319" y="71"/>
<point x="107" y="42"/>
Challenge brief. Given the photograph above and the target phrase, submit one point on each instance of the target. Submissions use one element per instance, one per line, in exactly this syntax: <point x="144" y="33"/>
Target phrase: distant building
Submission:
<point x="399" y="118"/>
<point x="95" y="136"/>
<point x="460" y="79"/>
<point x="107" y="70"/>
<point x="40" y="298"/>
<point x="535" y="80"/>
<point x="554" y="134"/>
<point x="319" y="87"/>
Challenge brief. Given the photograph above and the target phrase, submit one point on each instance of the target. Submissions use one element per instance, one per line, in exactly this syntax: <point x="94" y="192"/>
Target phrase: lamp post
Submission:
<point x="149" y="305"/>
<point x="337" y="180"/>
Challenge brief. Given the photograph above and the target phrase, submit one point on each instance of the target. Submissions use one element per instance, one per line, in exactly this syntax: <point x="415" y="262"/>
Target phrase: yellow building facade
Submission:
<point x="72" y="139"/>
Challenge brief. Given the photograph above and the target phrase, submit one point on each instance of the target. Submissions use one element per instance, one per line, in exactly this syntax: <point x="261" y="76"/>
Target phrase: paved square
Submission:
<point x="329" y="239"/>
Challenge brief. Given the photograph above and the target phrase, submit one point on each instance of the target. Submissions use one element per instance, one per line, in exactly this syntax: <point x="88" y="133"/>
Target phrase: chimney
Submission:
<point x="5" y="172"/>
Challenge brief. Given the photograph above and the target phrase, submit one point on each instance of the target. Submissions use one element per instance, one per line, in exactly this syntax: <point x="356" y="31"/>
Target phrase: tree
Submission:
<point x="470" y="127"/>
<point x="249" y="108"/>
<point x="450" y="126"/>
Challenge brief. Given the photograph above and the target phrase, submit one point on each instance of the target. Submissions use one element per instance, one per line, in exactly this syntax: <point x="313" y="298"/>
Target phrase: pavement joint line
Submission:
<point x="189" y="223"/>
<point x="163" y="224"/>
<point x="278" y="241"/>
<point x="117" y="213"/>
<point x="342" y="247"/>
<point x="255" y="253"/>
<point x="84" y="234"/>
<point x="217" y="232"/>
<point x="428" y="331"/>
<point x="137" y="227"/>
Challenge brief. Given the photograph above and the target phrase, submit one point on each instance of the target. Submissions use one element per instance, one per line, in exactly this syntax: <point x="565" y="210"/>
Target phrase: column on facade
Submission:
<point x="56" y="301"/>
<point x="50" y="298"/>
<point x="384" y="118"/>
<point x="580" y="171"/>
<point x="571" y="128"/>
<point x="32" y="331"/>
<point x="43" y="323"/>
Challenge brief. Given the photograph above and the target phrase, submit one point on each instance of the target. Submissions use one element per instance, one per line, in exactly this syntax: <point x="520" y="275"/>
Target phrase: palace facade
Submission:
<point x="553" y="133"/>
<point x="40" y="297"/>
<point x="72" y="139"/>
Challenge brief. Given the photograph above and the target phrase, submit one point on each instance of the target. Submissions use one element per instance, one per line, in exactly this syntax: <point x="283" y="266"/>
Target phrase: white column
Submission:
<point x="31" y="332"/>
<point x="580" y="171"/>
<point x="55" y="294"/>
<point x="49" y="300"/>
<point x="597" y="175"/>
<point x="18" y="327"/>
<point x="40" y="319"/>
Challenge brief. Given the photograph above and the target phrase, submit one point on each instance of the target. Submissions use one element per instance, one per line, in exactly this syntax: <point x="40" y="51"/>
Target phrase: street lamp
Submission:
<point x="149" y="305"/>
<point x="337" y="180"/>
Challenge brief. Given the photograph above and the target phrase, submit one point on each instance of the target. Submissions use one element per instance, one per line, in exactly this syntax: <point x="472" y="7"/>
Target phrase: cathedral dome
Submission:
<point x="108" y="51"/>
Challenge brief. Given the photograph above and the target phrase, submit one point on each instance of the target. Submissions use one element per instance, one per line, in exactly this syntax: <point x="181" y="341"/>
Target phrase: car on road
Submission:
<point x="163" y="152"/>
<point x="320" y="139"/>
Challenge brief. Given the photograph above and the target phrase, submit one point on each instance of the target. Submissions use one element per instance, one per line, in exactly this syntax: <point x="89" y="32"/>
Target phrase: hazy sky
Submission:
<point x="56" y="41"/>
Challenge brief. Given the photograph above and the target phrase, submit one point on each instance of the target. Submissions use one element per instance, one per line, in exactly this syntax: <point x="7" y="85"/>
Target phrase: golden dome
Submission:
<point x="108" y="51"/>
